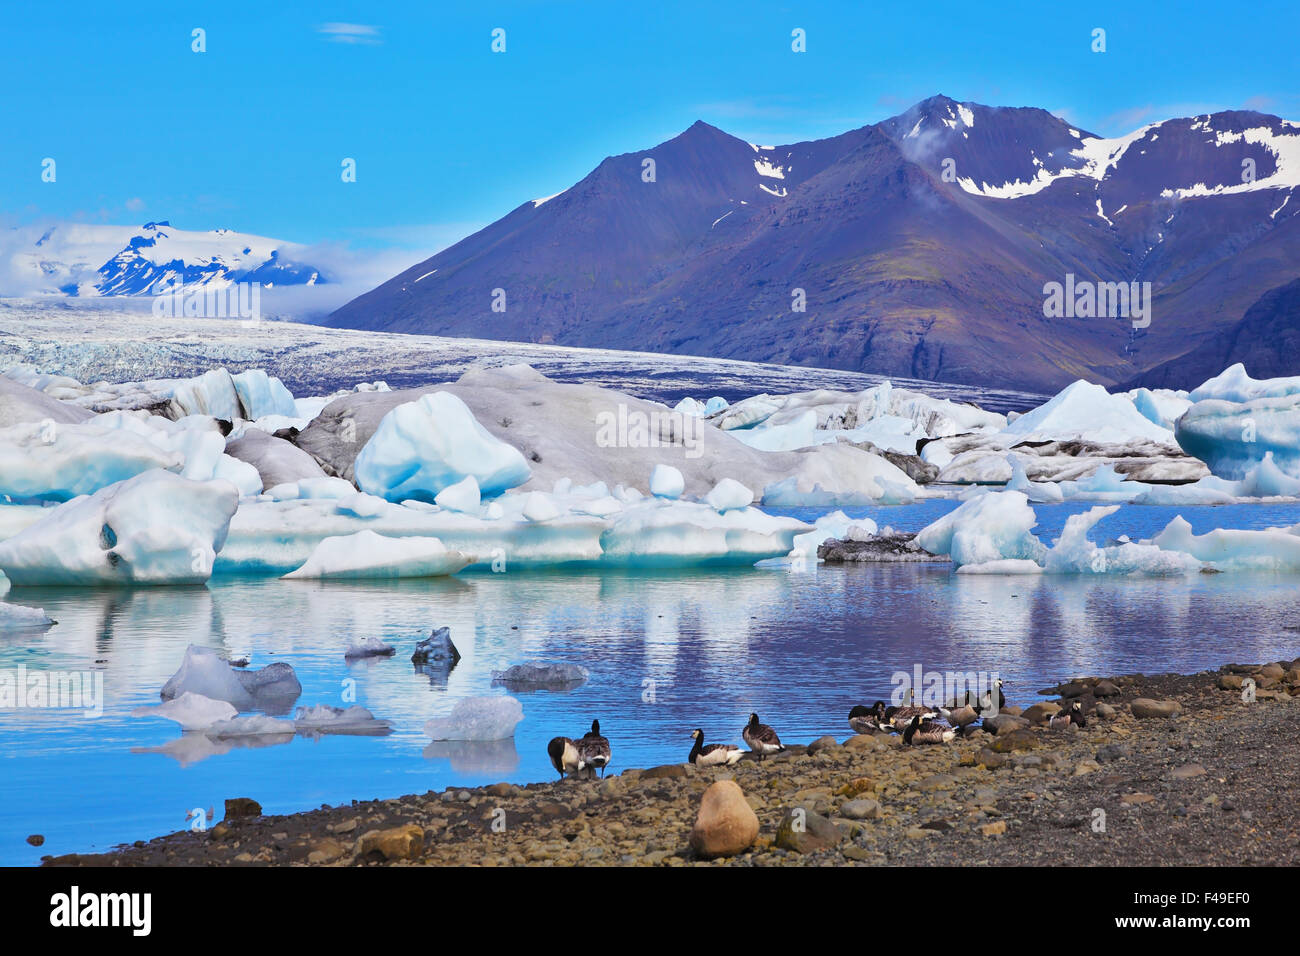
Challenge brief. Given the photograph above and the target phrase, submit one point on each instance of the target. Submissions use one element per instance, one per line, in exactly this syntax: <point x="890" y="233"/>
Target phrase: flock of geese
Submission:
<point x="918" y="725"/>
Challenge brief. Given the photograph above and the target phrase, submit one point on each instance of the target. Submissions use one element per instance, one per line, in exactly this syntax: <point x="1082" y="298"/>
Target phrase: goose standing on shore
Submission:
<point x="563" y="754"/>
<point x="761" y="738"/>
<point x="927" y="732"/>
<point x="593" y="750"/>
<point x="712" y="755"/>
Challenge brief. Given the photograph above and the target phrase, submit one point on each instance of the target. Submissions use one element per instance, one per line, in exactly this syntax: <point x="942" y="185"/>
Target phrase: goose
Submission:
<point x="1071" y="715"/>
<point x="761" y="738"/>
<point x="712" y="755"/>
<point x="927" y="732"/>
<point x="563" y="754"/>
<point x="899" y="717"/>
<point x="986" y="699"/>
<point x="961" y="716"/>
<point x="593" y="750"/>
<point x="867" y="720"/>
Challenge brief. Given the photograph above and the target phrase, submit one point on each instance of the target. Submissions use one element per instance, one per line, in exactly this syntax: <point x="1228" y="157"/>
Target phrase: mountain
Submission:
<point x="1266" y="341"/>
<point x="92" y="260"/>
<point x="922" y="245"/>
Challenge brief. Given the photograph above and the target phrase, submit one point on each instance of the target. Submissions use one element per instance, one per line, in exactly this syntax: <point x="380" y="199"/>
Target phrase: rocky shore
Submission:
<point x="1170" y="770"/>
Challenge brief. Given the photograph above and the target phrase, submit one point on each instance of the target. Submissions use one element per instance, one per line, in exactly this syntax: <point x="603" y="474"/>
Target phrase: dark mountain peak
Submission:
<point x="923" y="242"/>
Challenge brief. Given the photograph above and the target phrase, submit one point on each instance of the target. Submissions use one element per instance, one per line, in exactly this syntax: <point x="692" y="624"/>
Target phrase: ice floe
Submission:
<point x="541" y="675"/>
<point x="273" y="688"/>
<point x="16" y="617"/>
<point x="366" y="554"/>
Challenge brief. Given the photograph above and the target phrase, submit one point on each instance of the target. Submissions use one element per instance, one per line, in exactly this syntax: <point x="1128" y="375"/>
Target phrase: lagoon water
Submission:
<point x="667" y="651"/>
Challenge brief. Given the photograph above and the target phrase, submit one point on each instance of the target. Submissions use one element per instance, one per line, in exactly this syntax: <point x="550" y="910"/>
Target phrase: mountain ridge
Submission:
<point x="921" y="243"/>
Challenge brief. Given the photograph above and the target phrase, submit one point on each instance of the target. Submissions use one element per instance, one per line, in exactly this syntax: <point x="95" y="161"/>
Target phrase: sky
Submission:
<point x="448" y="135"/>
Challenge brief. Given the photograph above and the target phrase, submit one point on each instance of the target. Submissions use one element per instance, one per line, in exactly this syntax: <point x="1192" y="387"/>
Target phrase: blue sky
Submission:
<point x="449" y="136"/>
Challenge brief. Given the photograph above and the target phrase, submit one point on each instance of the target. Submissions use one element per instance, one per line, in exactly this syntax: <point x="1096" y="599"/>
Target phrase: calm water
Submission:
<point x="800" y="647"/>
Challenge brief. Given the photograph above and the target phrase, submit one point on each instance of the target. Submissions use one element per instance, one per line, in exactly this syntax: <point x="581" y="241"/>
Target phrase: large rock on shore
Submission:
<point x="806" y="832"/>
<point x="1145" y="707"/>
<point x="726" y="824"/>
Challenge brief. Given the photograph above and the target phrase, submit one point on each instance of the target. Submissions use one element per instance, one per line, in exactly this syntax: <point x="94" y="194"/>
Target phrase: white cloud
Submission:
<point x="356" y="33"/>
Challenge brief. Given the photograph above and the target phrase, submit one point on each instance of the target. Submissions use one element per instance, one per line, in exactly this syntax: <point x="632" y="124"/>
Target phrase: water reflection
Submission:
<point x="799" y="647"/>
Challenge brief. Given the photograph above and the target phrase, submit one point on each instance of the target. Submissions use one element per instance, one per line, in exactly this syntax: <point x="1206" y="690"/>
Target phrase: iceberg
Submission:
<point x="540" y="675"/>
<point x="1233" y="384"/>
<point x="464" y="496"/>
<point x="1002" y="566"/>
<point x="261" y="394"/>
<point x="436" y="648"/>
<point x="656" y="532"/>
<point x="353" y="721"/>
<point x="16" y="617"/>
<point x="320" y="488"/>
<point x="991" y="527"/>
<point x="369" y="647"/>
<point x="191" y="710"/>
<point x="155" y="528"/>
<point x="1228" y="549"/>
<point x="569" y="431"/>
<point x="478" y="718"/>
<point x="667" y="482"/>
<point x="728" y="495"/>
<point x="424" y="446"/>
<point x="1084" y="410"/>
<point x="1234" y="437"/>
<point x="273" y="688"/>
<point x="370" y="555"/>
<point x="251" y="725"/>
<point x="59" y="462"/>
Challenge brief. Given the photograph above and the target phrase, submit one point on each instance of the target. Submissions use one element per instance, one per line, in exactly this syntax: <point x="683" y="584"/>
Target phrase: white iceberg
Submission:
<point x="1085" y="410"/>
<point x="155" y="528"/>
<point x="988" y="528"/>
<point x="478" y="718"/>
<point x="366" y="554"/>
<point x="191" y="710"/>
<point x="728" y="495"/>
<point x="16" y="617"/>
<point x="464" y="496"/>
<point x="667" y="482"/>
<point x="424" y="446"/>
<point x="352" y="721"/>
<point x="261" y="394"/>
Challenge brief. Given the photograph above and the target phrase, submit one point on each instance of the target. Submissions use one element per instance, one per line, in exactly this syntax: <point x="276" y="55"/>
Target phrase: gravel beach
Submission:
<point x="1170" y="770"/>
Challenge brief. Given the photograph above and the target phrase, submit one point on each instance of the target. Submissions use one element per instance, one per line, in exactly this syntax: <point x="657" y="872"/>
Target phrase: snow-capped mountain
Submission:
<point x="922" y="245"/>
<point x="93" y="260"/>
